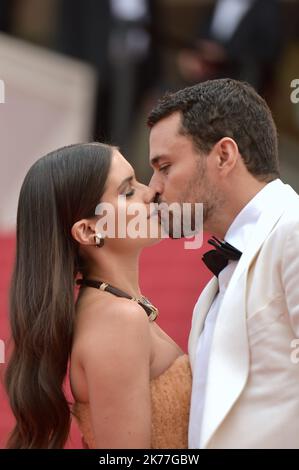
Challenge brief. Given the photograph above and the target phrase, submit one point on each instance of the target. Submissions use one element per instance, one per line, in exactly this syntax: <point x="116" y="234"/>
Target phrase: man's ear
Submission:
<point x="228" y="153"/>
<point x="83" y="232"/>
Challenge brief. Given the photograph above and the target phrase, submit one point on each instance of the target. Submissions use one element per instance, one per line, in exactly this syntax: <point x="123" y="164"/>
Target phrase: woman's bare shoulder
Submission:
<point x="109" y="325"/>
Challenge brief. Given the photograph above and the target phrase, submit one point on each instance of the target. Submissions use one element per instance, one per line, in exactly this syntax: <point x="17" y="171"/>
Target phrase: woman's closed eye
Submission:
<point x="130" y="192"/>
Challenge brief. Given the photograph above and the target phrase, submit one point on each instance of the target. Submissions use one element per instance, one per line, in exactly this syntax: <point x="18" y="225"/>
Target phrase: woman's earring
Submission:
<point x="99" y="240"/>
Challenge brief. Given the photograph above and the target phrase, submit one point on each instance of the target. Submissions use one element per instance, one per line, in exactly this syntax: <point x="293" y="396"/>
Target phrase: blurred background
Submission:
<point x="76" y="71"/>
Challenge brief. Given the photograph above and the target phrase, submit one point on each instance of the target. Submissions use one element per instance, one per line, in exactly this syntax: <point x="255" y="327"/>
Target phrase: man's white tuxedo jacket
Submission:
<point x="252" y="394"/>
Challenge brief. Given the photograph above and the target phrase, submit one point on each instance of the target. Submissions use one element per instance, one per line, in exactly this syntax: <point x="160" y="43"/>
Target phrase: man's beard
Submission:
<point x="199" y="190"/>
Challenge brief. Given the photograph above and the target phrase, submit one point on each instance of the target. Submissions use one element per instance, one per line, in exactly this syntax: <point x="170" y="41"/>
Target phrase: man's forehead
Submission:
<point x="163" y="148"/>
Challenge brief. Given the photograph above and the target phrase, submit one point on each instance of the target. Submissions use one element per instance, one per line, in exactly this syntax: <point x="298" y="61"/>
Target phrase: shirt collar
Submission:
<point x="240" y="230"/>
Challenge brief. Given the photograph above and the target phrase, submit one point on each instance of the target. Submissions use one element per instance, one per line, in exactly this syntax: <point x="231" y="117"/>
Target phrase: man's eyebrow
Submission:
<point x="155" y="160"/>
<point x="124" y="182"/>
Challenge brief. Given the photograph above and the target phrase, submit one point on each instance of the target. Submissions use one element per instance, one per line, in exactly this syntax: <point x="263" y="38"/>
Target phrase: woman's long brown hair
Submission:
<point x="59" y="189"/>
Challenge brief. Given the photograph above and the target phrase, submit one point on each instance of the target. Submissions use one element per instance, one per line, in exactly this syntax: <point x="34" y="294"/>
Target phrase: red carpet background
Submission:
<point x="171" y="276"/>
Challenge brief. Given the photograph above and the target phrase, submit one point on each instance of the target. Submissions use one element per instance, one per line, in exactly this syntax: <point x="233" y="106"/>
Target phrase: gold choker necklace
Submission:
<point x="151" y="311"/>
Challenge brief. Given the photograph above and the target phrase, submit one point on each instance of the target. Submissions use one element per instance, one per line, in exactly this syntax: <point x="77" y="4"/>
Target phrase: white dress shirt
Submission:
<point x="238" y="235"/>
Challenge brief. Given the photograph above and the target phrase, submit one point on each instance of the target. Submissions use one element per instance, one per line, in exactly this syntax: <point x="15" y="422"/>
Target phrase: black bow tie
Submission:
<point x="217" y="259"/>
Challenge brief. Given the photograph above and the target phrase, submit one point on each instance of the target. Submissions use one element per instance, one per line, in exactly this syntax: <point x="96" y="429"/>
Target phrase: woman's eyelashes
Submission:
<point x="130" y="193"/>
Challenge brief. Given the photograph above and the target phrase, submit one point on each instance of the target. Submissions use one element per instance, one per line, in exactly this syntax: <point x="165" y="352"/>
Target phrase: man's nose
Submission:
<point x="156" y="184"/>
<point x="149" y="194"/>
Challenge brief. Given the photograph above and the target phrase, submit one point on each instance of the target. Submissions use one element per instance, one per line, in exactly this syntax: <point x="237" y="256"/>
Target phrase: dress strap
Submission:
<point x="151" y="311"/>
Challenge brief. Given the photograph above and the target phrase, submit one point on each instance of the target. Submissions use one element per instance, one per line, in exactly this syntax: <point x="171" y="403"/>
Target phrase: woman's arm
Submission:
<point x="116" y="360"/>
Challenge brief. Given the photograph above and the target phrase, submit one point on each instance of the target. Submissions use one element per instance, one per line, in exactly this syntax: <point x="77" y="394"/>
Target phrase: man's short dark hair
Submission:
<point x="226" y="108"/>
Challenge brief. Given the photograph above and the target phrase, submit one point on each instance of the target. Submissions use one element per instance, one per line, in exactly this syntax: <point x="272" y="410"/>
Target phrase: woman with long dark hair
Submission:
<point x="131" y="383"/>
